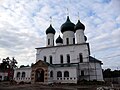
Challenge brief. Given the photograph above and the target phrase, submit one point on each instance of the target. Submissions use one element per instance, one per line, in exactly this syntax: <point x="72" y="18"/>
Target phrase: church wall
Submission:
<point x="50" y="36"/>
<point x="71" y="79"/>
<point x="72" y="75"/>
<point x="96" y="71"/>
<point x="51" y="79"/>
<point x="27" y="77"/>
<point x="80" y="36"/>
<point x="2" y="75"/>
<point x="55" y="52"/>
<point x="70" y="35"/>
<point x="92" y="71"/>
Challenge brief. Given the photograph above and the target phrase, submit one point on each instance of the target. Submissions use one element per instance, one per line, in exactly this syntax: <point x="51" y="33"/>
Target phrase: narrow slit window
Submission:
<point x="67" y="41"/>
<point x="48" y="41"/>
<point x="68" y="58"/>
<point x="81" y="57"/>
<point x="44" y="58"/>
<point x="61" y="59"/>
<point x="51" y="60"/>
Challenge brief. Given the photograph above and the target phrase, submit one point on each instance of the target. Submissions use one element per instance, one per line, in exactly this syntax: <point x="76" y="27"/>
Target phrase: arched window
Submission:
<point x="82" y="73"/>
<point x="67" y="41"/>
<point x="66" y="74"/>
<point x="68" y="58"/>
<point x="44" y="58"/>
<point x="81" y="57"/>
<point x="50" y="59"/>
<point x="48" y="41"/>
<point x="23" y="74"/>
<point x="18" y="75"/>
<point x="59" y="74"/>
<point x="51" y="73"/>
<point x="61" y="59"/>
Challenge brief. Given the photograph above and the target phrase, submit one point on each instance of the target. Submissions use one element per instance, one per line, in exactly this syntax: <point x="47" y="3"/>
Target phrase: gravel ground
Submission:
<point x="8" y="86"/>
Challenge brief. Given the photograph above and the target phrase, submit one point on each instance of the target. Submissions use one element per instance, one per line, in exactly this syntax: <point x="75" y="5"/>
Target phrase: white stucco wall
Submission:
<point x="27" y="77"/>
<point x="80" y="36"/>
<point x="51" y="37"/>
<point x="70" y="35"/>
<point x="55" y="52"/>
<point x="92" y="71"/>
<point x="51" y="79"/>
<point x="72" y="75"/>
<point x="2" y="75"/>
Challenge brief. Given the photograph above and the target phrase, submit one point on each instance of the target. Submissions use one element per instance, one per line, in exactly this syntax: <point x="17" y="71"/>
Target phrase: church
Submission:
<point x="67" y="61"/>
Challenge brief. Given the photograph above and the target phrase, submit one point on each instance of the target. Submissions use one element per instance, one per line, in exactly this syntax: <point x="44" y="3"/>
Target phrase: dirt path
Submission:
<point x="8" y="86"/>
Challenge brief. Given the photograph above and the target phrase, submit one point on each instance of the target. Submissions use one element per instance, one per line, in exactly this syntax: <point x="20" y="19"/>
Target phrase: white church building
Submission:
<point x="68" y="61"/>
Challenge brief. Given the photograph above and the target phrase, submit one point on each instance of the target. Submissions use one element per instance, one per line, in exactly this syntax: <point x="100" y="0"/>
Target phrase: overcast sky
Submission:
<point x="23" y="24"/>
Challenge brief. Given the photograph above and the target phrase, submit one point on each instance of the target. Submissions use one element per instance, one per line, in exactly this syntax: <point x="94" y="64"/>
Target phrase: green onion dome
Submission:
<point x="59" y="40"/>
<point x="67" y="26"/>
<point x="79" y="25"/>
<point x="50" y="29"/>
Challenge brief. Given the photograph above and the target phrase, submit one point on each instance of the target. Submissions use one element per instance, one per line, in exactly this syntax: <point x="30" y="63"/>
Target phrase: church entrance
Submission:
<point x="39" y="75"/>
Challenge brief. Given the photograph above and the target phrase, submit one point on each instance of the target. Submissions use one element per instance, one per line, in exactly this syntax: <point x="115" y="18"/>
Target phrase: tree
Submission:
<point x="13" y="63"/>
<point x="7" y="63"/>
<point x="107" y="73"/>
<point x="24" y="66"/>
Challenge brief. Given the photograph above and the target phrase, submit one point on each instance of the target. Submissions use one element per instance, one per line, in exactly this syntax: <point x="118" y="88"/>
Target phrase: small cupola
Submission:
<point x="79" y="25"/>
<point x="50" y="29"/>
<point x="67" y="26"/>
<point x="59" y="40"/>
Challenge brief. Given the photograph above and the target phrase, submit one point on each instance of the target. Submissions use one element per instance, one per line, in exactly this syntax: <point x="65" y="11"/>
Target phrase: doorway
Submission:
<point x="39" y="75"/>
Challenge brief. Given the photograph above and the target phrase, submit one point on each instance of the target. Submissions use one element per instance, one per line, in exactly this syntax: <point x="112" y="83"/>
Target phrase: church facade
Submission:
<point x="68" y="61"/>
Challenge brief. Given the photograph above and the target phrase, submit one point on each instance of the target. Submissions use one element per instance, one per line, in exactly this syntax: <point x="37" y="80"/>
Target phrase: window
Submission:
<point x="48" y="41"/>
<point x="68" y="58"/>
<point x="73" y="40"/>
<point x="61" y="59"/>
<point x="53" y="42"/>
<point x="44" y="58"/>
<point x="59" y="74"/>
<point x="23" y="74"/>
<point x="67" y="41"/>
<point x="81" y="57"/>
<point x="18" y="75"/>
<point x="0" y="77"/>
<point x="51" y="73"/>
<point x="82" y="73"/>
<point x="5" y="78"/>
<point x="50" y="59"/>
<point x="66" y="74"/>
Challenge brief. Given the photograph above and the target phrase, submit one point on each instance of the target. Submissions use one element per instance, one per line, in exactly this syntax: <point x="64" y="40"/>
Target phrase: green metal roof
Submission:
<point x="59" y="40"/>
<point x="67" y="26"/>
<point x="79" y="25"/>
<point x="50" y="29"/>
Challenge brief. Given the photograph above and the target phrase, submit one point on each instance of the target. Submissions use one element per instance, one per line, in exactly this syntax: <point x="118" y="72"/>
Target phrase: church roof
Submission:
<point x="79" y="25"/>
<point x="92" y="59"/>
<point x="50" y="29"/>
<point x="67" y="26"/>
<point x="59" y="40"/>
